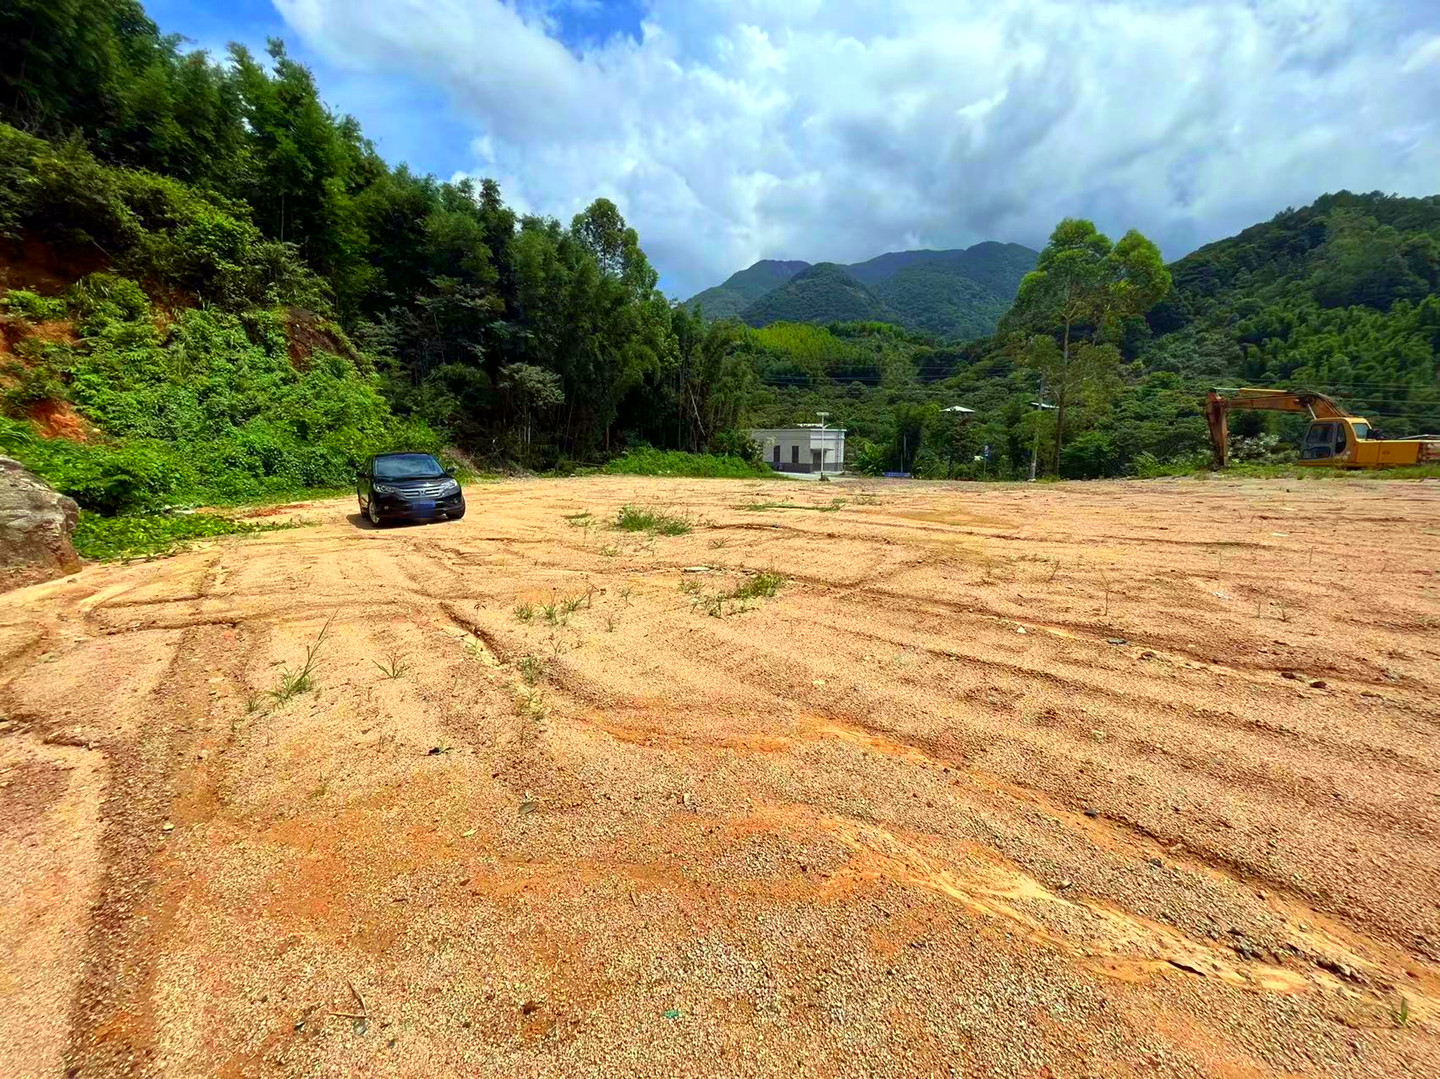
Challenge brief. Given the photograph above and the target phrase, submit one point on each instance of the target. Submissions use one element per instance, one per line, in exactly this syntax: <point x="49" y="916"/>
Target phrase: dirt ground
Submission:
<point x="1093" y="780"/>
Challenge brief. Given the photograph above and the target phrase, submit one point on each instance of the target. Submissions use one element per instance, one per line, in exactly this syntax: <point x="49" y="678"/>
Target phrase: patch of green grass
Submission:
<point x="761" y="586"/>
<point x="736" y="600"/>
<point x="1204" y="471"/>
<point x="762" y="507"/>
<point x="652" y="462"/>
<point x="105" y="539"/>
<point x="648" y="519"/>
<point x="524" y="611"/>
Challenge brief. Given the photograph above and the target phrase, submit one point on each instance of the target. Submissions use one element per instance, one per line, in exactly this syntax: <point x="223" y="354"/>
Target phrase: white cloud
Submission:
<point x="739" y="130"/>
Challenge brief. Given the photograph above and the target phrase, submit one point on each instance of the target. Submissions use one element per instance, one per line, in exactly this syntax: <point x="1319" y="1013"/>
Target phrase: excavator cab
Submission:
<point x="1333" y="441"/>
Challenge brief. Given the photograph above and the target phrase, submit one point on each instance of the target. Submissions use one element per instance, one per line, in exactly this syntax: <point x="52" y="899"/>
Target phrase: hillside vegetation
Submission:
<point x="215" y="289"/>
<point x="823" y="293"/>
<point x="742" y="289"/>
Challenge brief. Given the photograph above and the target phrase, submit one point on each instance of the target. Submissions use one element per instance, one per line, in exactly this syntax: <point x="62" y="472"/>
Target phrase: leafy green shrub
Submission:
<point x="736" y="443"/>
<point x="33" y="306"/>
<point x="38" y="382"/>
<point x="647" y="461"/>
<point x="867" y="458"/>
<point x="107" y="538"/>
<point x="104" y="297"/>
<point x="1090" y="456"/>
<point x="1148" y="466"/>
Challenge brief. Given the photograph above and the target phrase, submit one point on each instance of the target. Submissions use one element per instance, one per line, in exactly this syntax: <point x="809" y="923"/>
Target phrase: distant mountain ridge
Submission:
<point x="959" y="293"/>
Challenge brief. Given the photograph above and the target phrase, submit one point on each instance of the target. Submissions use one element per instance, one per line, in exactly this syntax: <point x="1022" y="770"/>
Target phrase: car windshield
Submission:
<point x="407" y="466"/>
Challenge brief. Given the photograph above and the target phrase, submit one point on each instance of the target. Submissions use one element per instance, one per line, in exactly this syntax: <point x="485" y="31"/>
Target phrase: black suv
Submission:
<point x="407" y="486"/>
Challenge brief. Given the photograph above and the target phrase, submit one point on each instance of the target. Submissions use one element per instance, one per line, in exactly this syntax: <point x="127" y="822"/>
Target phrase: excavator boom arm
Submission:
<point x="1217" y="411"/>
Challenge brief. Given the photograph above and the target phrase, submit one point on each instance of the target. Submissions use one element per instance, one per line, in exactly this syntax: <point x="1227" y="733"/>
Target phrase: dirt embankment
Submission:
<point x="1092" y="780"/>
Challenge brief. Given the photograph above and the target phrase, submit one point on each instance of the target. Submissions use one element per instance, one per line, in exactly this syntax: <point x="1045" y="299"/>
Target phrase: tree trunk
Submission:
<point x="1064" y="381"/>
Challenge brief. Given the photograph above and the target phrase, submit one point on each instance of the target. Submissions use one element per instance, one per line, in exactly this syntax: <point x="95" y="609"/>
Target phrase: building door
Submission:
<point x="815" y="460"/>
<point x="777" y="453"/>
<point x="795" y="454"/>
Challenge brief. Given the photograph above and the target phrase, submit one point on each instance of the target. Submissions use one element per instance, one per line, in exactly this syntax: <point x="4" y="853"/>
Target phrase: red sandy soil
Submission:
<point x="1089" y="780"/>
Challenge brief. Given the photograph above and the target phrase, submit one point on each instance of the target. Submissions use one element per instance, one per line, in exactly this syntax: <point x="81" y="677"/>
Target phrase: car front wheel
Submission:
<point x="374" y="514"/>
<point x="455" y="515"/>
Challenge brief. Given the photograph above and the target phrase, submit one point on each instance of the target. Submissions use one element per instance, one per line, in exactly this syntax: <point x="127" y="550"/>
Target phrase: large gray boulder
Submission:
<point x="35" y="526"/>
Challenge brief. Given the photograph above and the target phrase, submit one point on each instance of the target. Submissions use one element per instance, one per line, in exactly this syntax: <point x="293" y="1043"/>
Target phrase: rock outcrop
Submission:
<point x="36" y="522"/>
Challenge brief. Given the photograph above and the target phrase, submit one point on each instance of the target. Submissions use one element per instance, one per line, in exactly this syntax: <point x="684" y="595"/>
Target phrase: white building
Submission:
<point x="806" y="447"/>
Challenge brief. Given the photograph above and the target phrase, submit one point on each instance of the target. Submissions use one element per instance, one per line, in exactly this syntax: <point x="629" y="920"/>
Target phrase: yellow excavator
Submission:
<point x="1334" y="439"/>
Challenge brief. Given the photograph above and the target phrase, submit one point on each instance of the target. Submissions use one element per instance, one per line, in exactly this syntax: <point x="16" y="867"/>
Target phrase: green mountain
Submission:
<point x="1339" y="296"/>
<point x="743" y="288"/>
<point x="826" y="292"/>
<point x="948" y="294"/>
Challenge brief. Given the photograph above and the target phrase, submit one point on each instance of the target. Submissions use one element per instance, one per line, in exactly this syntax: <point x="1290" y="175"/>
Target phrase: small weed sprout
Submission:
<point x="609" y="551"/>
<point x="294" y="682"/>
<point x="1401" y="1015"/>
<point x="252" y="704"/>
<point x="530" y="703"/>
<point x="524" y="611"/>
<point x="394" y="666"/>
<point x="610" y="622"/>
<point x="717" y="544"/>
<point x="579" y="520"/>
<point x="571" y="604"/>
<point x="532" y="668"/>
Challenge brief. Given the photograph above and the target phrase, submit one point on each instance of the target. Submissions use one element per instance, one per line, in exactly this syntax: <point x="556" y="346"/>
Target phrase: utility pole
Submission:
<point x="823" y="417"/>
<point x="1035" y="453"/>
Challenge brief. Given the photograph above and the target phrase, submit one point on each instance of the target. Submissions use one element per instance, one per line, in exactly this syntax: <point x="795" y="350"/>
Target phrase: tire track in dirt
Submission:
<point x="113" y="1020"/>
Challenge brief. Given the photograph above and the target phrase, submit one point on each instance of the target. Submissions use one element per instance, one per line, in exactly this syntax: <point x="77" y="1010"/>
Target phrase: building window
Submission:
<point x="795" y="454"/>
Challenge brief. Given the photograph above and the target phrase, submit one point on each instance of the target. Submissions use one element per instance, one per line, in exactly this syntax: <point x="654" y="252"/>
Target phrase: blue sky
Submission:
<point x="733" y="130"/>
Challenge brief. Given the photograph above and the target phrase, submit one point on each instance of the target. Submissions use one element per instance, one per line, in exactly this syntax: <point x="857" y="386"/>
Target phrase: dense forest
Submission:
<point x="215" y="288"/>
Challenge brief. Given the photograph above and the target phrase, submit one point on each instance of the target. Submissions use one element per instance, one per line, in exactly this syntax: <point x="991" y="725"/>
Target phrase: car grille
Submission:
<point x="426" y="490"/>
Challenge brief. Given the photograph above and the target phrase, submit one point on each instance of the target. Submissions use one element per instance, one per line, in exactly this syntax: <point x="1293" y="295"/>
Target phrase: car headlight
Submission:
<point x="384" y="488"/>
<point x="452" y="488"/>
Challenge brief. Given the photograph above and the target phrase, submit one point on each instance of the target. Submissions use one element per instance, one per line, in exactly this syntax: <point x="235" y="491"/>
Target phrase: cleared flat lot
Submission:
<point x="1089" y="780"/>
